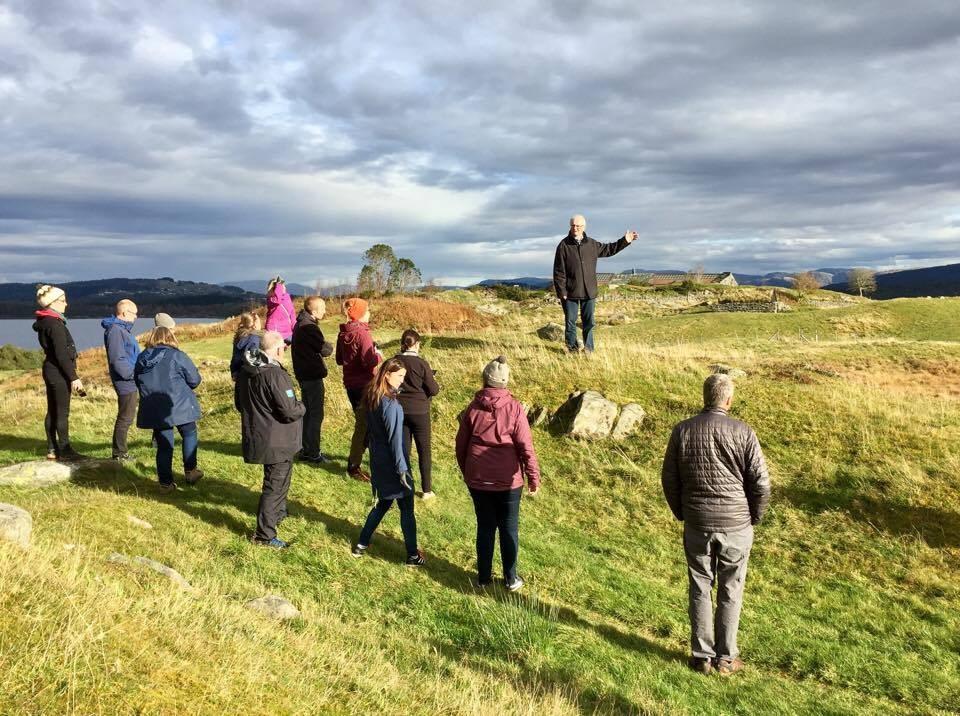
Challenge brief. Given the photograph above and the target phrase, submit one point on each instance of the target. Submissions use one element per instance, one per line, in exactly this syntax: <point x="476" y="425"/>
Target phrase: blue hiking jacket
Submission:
<point x="389" y="462"/>
<point x="122" y="351"/>
<point x="166" y="378"/>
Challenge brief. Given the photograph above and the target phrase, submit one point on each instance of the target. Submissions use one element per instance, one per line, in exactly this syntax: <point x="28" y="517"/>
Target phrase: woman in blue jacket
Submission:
<point x="166" y="379"/>
<point x="389" y="463"/>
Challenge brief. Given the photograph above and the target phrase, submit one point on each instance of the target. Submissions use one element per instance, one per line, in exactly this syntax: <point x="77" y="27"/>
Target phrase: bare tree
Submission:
<point x="863" y="280"/>
<point x="805" y="283"/>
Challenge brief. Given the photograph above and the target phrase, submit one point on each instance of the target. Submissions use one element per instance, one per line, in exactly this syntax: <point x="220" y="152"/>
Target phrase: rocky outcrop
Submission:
<point x="36" y="473"/>
<point x="551" y="332"/>
<point x="588" y="414"/>
<point x="152" y="565"/>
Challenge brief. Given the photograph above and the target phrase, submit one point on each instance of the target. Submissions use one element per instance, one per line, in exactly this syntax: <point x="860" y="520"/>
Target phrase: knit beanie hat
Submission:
<point x="497" y="373"/>
<point x="164" y="320"/>
<point x="355" y="308"/>
<point x="48" y="294"/>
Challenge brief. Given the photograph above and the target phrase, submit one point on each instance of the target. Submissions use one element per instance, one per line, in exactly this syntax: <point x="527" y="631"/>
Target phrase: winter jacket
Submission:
<point x="122" y="351"/>
<point x="166" y="378"/>
<point x="575" y="265"/>
<point x="494" y="444"/>
<point x="59" y="351"/>
<point x="280" y="312"/>
<point x="418" y="387"/>
<point x="270" y="413"/>
<point x="250" y="342"/>
<point x="357" y="354"/>
<point x="309" y="349"/>
<point x="714" y="476"/>
<point x="389" y="462"/>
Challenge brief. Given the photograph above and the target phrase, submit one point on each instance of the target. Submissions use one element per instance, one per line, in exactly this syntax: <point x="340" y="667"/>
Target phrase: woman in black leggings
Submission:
<point x="59" y="370"/>
<point x="415" y="395"/>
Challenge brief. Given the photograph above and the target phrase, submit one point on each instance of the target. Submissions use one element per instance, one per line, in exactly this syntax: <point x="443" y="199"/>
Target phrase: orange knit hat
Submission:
<point x="355" y="308"/>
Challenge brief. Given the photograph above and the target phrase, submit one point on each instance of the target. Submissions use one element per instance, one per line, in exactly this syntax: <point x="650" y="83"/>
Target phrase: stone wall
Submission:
<point x="751" y="307"/>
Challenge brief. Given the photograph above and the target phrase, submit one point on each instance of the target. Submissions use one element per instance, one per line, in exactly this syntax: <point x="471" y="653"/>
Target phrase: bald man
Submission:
<point x="122" y="351"/>
<point x="575" y="278"/>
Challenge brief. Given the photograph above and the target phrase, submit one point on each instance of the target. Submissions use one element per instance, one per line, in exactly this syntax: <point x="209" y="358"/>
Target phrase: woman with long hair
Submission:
<point x="59" y="370"/>
<point x="416" y="393"/>
<point x="166" y="379"/>
<point x="389" y="464"/>
<point x="245" y="338"/>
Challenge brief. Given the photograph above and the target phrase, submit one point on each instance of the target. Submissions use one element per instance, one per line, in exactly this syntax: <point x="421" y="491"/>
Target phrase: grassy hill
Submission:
<point x="853" y="596"/>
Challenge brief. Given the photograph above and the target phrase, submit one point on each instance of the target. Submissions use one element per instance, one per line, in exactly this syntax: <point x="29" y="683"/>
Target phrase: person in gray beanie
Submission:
<point x="164" y="320"/>
<point x="495" y="453"/>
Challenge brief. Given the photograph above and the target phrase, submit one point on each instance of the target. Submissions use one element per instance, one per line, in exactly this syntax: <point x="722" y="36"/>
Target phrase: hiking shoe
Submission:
<point x="428" y="495"/>
<point x="51" y="455"/>
<point x="168" y="486"/>
<point x="416" y="560"/>
<point x="726" y="667"/>
<point x="358" y="550"/>
<point x="482" y="583"/>
<point x="357" y="473"/>
<point x="70" y="455"/>
<point x="318" y="459"/>
<point x="123" y="457"/>
<point x="516" y="585"/>
<point x="193" y="476"/>
<point x="701" y="665"/>
<point x="275" y="543"/>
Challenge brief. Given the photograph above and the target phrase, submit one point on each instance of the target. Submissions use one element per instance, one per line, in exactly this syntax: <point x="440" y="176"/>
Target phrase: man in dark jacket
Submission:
<point x="575" y="277"/>
<point x="715" y="481"/>
<point x="270" y="416"/>
<point x="122" y="351"/>
<point x="308" y="350"/>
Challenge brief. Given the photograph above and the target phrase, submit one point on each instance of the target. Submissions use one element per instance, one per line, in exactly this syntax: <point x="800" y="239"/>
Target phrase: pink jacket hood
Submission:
<point x="281" y="315"/>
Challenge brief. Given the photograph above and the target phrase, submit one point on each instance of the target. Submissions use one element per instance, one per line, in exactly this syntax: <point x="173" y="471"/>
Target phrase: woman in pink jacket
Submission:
<point x="281" y="315"/>
<point x="495" y="453"/>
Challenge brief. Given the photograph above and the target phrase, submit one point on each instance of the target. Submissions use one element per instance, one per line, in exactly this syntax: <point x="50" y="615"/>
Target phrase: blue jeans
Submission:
<point x="497" y="511"/>
<point x="408" y="522"/>
<point x="571" y="307"/>
<point x="164" y="442"/>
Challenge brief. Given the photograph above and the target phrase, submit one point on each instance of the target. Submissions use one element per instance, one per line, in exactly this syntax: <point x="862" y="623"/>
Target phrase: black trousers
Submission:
<point x="273" y="499"/>
<point x="497" y="513"/>
<point x="312" y="394"/>
<point x="358" y="443"/>
<point x="57" y="421"/>
<point x="126" y="412"/>
<point x="417" y="427"/>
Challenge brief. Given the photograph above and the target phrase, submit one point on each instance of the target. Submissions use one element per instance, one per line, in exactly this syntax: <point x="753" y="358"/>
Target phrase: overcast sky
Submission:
<point x="235" y="139"/>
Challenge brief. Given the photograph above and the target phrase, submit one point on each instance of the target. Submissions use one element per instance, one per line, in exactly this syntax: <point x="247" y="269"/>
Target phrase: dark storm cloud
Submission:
<point x="754" y="136"/>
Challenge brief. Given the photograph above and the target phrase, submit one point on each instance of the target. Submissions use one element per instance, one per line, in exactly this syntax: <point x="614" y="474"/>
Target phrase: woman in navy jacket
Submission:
<point x="389" y="463"/>
<point x="166" y="379"/>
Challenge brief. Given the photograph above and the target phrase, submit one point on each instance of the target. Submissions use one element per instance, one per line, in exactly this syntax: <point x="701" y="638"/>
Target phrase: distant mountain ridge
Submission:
<point x="910" y="283"/>
<point x="295" y="289"/>
<point x="782" y="279"/>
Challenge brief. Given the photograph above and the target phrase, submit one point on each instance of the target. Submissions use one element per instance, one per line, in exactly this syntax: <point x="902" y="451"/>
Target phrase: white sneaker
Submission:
<point x="428" y="496"/>
<point x="515" y="586"/>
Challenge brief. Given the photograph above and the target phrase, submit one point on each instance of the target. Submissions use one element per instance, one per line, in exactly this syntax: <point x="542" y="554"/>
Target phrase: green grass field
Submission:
<point x="853" y="596"/>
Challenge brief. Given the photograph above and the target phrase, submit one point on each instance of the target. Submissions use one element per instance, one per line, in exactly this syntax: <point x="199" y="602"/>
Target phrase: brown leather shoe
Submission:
<point x="726" y="667"/>
<point x="701" y="665"/>
<point x="357" y="473"/>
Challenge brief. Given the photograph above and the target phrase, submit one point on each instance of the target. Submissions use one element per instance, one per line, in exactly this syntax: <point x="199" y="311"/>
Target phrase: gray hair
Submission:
<point x="270" y="341"/>
<point x="717" y="390"/>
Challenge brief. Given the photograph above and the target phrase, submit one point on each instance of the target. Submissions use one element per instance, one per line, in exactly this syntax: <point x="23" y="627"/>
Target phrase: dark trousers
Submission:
<point x="585" y="308"/>
<point x="312" y="394"/>
<point x="408" y="522"/>
<point x="57" y="421"/>
<point x="126" y="412"/>
<point x="417" y="427"/>
<point x="497" y="511"/>
<point x="164" y="442"/>
<point x="273" y="499"/>
<point x="358" y="443"/>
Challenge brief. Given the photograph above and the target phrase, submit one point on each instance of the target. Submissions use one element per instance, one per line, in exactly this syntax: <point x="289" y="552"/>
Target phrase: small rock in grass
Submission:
<point x="631" y="417"/>
<point x="137" y="522"/>
<point x="162" y="569"/>
<point x="551" y="332"/>
<point x="732" y="372"/>
<point x="273" y="607"/>
<point x="586" y="415"/>
<point x="16" y="525"/>
<point x="35" y="473"/>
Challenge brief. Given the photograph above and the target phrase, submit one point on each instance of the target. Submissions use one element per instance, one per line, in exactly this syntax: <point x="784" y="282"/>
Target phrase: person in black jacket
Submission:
<point x="419" y="387"/>
<point x="59" y="370"/>
<point x="270" y="416"/>
<point x="309" y="348"/>
<point x="575" y="278"/>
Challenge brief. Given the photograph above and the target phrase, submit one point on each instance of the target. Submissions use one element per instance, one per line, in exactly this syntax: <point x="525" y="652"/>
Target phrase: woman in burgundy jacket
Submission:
<point x="495" y="452"/>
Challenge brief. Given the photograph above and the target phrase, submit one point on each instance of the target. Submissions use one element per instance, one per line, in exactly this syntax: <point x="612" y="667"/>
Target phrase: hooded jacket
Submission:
<point x="494" y="444"/>
<point x="166" y="378"/>
<point x="59" y="351"/>
<point x="419" y="386"/>
<point x="270" y="413"/>
<point x="280" y="312"/>
<point x="250" y="342"/>
<point x="575" y="265"/>
<point x="389" y="461"/>
<point x="714" y="476"/>
<point x="309" y="349"/>
<point x="357" y="354"/>
<point x="122" y="351"/>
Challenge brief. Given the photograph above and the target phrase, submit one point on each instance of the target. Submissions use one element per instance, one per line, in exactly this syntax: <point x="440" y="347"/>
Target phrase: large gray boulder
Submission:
<point x="145" y="563"/>
<point x="551" y="332"/>
<point x="273" y="607"/>
<point x="36" y="473"/>
<point x="631" y="418"/>
<point x="586" y="415"/>
<point x="16" y="525"/>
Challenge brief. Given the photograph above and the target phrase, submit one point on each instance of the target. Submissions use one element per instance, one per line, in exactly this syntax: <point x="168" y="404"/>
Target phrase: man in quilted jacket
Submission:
<point x="715" y="481"/>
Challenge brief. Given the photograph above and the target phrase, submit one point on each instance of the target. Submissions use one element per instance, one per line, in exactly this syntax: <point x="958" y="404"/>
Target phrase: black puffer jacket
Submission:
<point x="575" y="265"/>
<point x="714" y="475"/>
<point x="418" y="387"/>
<point x="309" y="349"/>
<point x="59" y="351"/>
<point x="269" y="411"/>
